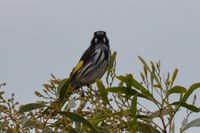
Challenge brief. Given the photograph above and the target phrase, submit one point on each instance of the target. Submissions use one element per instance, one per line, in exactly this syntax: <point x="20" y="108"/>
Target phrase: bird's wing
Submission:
<point x="78" y="67"/>
<point x="84" y="59"/>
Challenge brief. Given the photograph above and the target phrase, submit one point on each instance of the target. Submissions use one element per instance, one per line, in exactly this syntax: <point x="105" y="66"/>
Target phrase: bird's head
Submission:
<point x="100" y="38"/>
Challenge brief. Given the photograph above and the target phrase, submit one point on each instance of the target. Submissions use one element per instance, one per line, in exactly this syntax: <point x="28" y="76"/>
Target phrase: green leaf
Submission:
<point x="190" y="91"/>
<point x="78" y="118"/>
<point x="194" y="123"/>
<point x="125" y="90"/>
<point x="38" y="94"/>
<point x="177" y="89"/>
<point x="95" y="121"/>
<point x="102" y="130"/>
<point x="102" y="91"/>
<point x="112" y="60"/>
<point x="133" y="108"/>
<point x="62" y="88"/>
<point x="31" y="106"/>
<point x="158" y="113"/>
<point x="30" y="123"/>
<point x="126" y="79"/>
<point x="188" y="106"/>
<point x="130" y="81"/>
<point x="133" y="112"/>
<point x="144" y="63"/>
<point x="146" y="128"/>
<point x="143" y="90"/>
<point x="71" y="104"/>
<point x="174" y="76"/>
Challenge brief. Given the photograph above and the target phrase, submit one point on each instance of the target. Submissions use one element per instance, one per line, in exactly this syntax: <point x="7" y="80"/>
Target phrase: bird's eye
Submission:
<point x="104" y="40"/>
<point x="95" y="40"/>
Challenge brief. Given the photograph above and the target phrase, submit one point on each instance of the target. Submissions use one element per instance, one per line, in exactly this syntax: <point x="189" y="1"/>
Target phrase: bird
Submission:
<point x="93" y="63"/>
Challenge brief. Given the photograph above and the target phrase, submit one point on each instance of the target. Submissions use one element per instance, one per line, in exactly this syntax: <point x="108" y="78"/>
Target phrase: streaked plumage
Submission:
<point x="93" y="62"/>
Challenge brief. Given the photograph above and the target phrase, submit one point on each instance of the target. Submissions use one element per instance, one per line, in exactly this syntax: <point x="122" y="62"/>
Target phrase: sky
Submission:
<point x="38" y="38"/>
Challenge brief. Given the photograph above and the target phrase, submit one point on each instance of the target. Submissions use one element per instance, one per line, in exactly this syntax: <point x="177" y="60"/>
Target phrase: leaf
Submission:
<point x="130" y="81"/>
<point x="95" y="121"/>
<point x="125" y="90"/>
<point x="31" y="106"/>
<point x="38" y="94"/>
<point x="154" y="76"/>
<point x="31" y="123"/>
<point x="145" y="71"/>
<point x="78" y="118"/>
<point x="157" y="86"/>
<point x="144" y="63"/>
<point x="126" y="79"/>
<point x="158" y="113"/>
<point x="177" y="89"/>
<point x="174" y="76"/>
<point x="62" y="88"/>
<point x="102" y="91"/>
<point x="133" y="108"/>
<point x="145" y="128"/>
<point x="194" y="123"/>
<point x="102" y="130"/>
<point x="190" y="91"/>
<point x="71" y="104"/>
<point x="188" y="106"/>
<point x="112" y="60"/>
<point x="184" y="122"/>
<point x="47" y="86"/>
<point x="143" y="90"/>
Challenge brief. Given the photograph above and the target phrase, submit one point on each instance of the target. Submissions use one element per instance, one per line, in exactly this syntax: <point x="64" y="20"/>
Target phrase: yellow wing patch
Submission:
<point x="78" y="67"/>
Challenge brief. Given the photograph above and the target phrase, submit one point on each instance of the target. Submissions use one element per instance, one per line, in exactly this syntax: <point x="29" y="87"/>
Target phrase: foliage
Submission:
<point x="146" y="106"/>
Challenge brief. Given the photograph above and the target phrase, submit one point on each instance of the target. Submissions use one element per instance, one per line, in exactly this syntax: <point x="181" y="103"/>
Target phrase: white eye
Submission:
<point x="104" y="40"/>
<point x="95" y="40"/>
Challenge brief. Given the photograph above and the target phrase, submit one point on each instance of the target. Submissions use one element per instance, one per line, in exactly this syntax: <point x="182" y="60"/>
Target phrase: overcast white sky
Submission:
<point x="39" y="37"/>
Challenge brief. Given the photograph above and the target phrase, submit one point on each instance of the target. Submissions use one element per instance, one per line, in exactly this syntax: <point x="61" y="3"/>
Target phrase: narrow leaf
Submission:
<point x="146" y="128"/>
<point x="71" y="104"/>
<point x="144" y="63"/>
<point x="190" y="91"/>
<point x="133" y="108"/>
<point x="31" y="123"/>
<point x="112" y="60"/>
<point x="174" y="76"/>
<point x="38" y="94"/>
<point x="188" y="106"/>
<point x="143" y="90"/>
<point x="125" y="90"/>
<point x="177" y="89"/>
<point x="78" y="118"/>
<point x="130" y="81"/>
<point x="158" y="113"/>
<point x="31" y="106"/>
<point x="62" y="88"/>
<point x="102" y="92"/>
<point x="194" y="123"/>
<point x="95" y="121"/>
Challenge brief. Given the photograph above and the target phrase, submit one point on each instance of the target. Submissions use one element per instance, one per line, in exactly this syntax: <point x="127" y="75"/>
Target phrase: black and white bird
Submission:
<point x="92" y="65"/>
